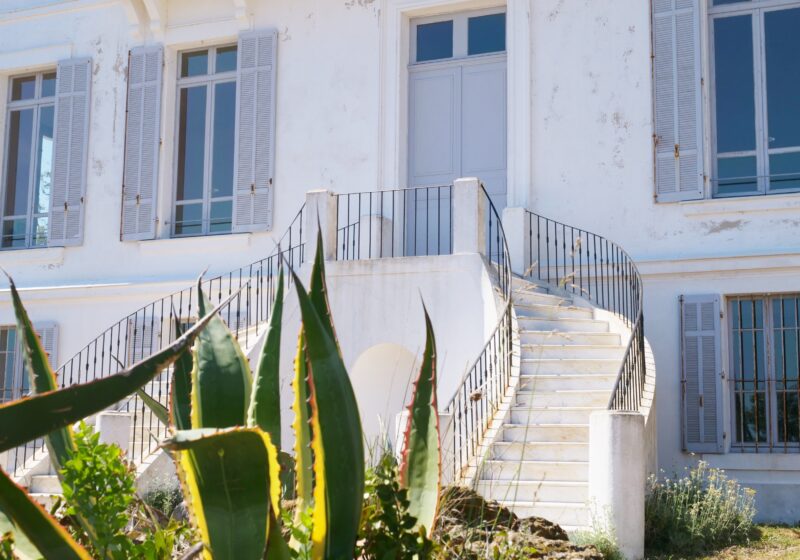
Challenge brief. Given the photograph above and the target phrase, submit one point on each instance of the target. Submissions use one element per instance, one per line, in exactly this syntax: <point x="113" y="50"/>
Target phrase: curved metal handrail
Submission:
<point x="485" y="383"/>
<point x="152" y="326"/>
<point x="591" y="266"/>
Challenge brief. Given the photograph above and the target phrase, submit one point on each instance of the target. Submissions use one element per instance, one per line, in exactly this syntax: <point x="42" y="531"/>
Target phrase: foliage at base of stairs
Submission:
<point x="471" y="528"/>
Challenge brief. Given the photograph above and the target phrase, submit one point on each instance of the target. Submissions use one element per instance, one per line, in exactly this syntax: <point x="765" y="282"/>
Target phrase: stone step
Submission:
<point x="524" y="285"/>
<point x="530" y="298"/>
<point x="44" y="500"/>
<point x="553" y="311"/>
<point x="534" y="491"/>
<point x="552" y="415"/>
<point x="540" y="451"/>
<point x="573" y="471"/>
<point x="45" y="484"/>
<point x="571" y="351"/>
<point x="562" y="325"/>
<point x="559" y="337"/>
<point x="556" y="381"/>
<point x="569" y="515"/>
<point x="546" y="432"/>
<point x="565" y="397"/>
<point x="534" y="366"/>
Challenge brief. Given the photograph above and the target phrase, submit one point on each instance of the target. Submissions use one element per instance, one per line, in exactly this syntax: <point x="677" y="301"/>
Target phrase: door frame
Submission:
<point x="394" y="89"/>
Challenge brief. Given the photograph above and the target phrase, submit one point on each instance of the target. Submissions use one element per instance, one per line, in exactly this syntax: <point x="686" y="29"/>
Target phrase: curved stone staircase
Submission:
<point x="570" y="355"/>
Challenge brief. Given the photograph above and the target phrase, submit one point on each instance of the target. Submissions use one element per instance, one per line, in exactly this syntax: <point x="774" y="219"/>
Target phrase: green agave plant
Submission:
<point x="225" y="431"/>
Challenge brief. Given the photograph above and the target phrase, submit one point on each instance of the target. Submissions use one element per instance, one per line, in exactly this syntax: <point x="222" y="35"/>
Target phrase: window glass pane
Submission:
<point x="194" y="63"/>
<point x="49" y="84"/>
<point x="23" y="88"/>
<point x="44" y="161"/>
<point x="191" y="143"/>
<point x="14" y="233"/>
<point x="221" y="213"/>
<point x="735" y="99"/>
<point x="784" y="171"/>
<point x="434" y="40"/>
<point x="226" y="59"/>
<point x="486" y="34"/>
<point x="39" y="228"/>
<point x="222" y="155"/>
<point x="189" y="219"/>
<point x="737" y="175"/>
<point x="19" y="162"/>
<point x="782" y="44"/>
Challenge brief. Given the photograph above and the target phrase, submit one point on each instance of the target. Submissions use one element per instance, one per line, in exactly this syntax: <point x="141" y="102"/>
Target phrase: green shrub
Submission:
<point x="703" y="510"/>
<point x="163" y="494"/>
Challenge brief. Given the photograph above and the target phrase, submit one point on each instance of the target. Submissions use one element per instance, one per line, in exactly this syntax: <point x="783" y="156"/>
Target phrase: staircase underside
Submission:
<point x="538" y="463"/>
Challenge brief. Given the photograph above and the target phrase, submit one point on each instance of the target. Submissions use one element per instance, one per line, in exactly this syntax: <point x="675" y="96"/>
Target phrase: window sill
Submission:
<point x="46" y="256"/>
<point x="201" y="244"/>
<point x="742" y="205"/>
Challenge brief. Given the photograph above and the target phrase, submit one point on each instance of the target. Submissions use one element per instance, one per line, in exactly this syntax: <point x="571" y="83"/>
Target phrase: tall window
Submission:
<point x="13" y="378"/>
<point x="206" y="127"/>
<point x="29" y="161"/>
<point x="765" y="341"/>
<point x="756" y="73"/>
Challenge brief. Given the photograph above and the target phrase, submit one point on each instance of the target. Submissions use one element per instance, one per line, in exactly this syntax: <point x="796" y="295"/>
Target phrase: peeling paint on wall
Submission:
<point x="724" y="225"/>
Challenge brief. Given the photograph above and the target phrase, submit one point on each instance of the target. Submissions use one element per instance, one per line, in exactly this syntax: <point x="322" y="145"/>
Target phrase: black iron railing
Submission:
<point x="151" y="327"/>
<point x="394" y="223"/>
<point x="591" y="266"/>
<point x="482" y="389"/>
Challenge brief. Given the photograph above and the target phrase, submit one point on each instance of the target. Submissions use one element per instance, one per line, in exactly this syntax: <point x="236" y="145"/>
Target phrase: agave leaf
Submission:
<point x="277" y="549"/>
<point x="265" y="402"/>
<point x="302" y="431"/>
<point x="60" y="443"/>
<point x="420" y="468"/>
<point x="221" y="382"/>
<point x="336" y="432"/>
<point x="27" y="517"/>
<point x="232" y="485"/>
<point x="36" y="416"/>
<point x="158" y="409"/>
<point x="180" y="391"/>
<point x="24" y="549"/>
<point x="318" y="290"/>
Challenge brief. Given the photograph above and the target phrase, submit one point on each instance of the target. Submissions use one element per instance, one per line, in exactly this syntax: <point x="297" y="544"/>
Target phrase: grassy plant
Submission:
<point x="163" y="494"/>
<point x="702" y="510"/>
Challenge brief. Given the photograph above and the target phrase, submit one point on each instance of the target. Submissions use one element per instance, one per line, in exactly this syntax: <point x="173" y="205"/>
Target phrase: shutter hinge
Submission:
<point x="724" y="435"/>
<point x="677" y="151"/>
<point x="722" y="374"/>
<point x="270" y="180"/>
<point x="701" y="401"/>
<point x="252" y="188"/>
<point x="138" y="199"/>
<point x="66" y="208"/>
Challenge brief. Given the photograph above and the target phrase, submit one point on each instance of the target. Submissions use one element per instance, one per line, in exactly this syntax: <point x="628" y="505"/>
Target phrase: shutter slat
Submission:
<point x="678" y="110"/>
<point x="255" y="132"/>
<point x="73" y="84"/>
<point x="701" y="374"/>
<point x="142" y="143"/>
<point x="48" y="335"/>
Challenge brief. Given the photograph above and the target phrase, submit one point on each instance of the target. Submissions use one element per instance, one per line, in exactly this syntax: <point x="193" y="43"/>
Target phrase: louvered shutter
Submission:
<point x="144" y="337"/>
<point x="48" y="335"/>
<point x="255" y="131"/>
<point x="142" y="143"/>
<point x="678" y="106"/>
<point x="701" y="378"/>
<point x="71" y="140"/>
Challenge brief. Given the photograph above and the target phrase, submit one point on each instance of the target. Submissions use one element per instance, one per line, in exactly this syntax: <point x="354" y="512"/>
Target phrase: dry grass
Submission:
<point x="769" y="542"/>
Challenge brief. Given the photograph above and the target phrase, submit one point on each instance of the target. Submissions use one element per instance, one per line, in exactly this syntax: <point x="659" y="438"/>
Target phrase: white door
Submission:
<point x="457" y="101"/>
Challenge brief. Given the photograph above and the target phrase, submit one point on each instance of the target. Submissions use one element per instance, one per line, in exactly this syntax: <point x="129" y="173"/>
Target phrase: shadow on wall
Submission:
<point x="382" y="376"/>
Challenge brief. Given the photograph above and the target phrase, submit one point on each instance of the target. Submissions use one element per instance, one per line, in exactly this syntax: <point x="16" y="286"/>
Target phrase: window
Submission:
<point x="13" y="378"/>
<point x="756" y="77"/>
<point x="765" y="376"/>
<point x="29" y="161"/>
<point x="459" y="36"/>
<point x="206" y="138"/>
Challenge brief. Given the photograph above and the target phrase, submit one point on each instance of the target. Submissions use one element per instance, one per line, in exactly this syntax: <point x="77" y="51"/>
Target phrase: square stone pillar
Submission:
<point x="470" y="206"/>
<point x="321" y="216"/>
<point x="115" y="428"/>
<point x="518" y="236"/>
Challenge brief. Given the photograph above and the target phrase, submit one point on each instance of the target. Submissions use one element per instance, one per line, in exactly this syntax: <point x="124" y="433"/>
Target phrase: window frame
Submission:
<point x="17" y="389"/>
<point x="460" y="34"/>
<point x="37" y="103"/>
<point x="210" y="80"/>
<point x="756" y="9"/>
<point x="772" y="443"/>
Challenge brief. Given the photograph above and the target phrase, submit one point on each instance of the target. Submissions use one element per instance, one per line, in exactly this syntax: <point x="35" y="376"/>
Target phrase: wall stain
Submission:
<point x="361" y="3"/>
<point x="555" y="11"/>
<point x="724" y="225"/>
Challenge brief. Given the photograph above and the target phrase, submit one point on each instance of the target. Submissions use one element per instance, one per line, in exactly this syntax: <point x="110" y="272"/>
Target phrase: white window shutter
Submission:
<point x="48" y="335"/>
<point x="142" y="143"/>
<point x="255" y="131"/>
<point x="73" y="85"/>
<point x="143" y="337"/>
<point x="678" y="105"/>
<point x="701" y="376"/>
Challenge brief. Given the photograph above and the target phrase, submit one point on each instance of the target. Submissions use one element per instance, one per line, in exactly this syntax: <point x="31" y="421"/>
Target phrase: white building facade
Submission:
<point x="146" y="140"/>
